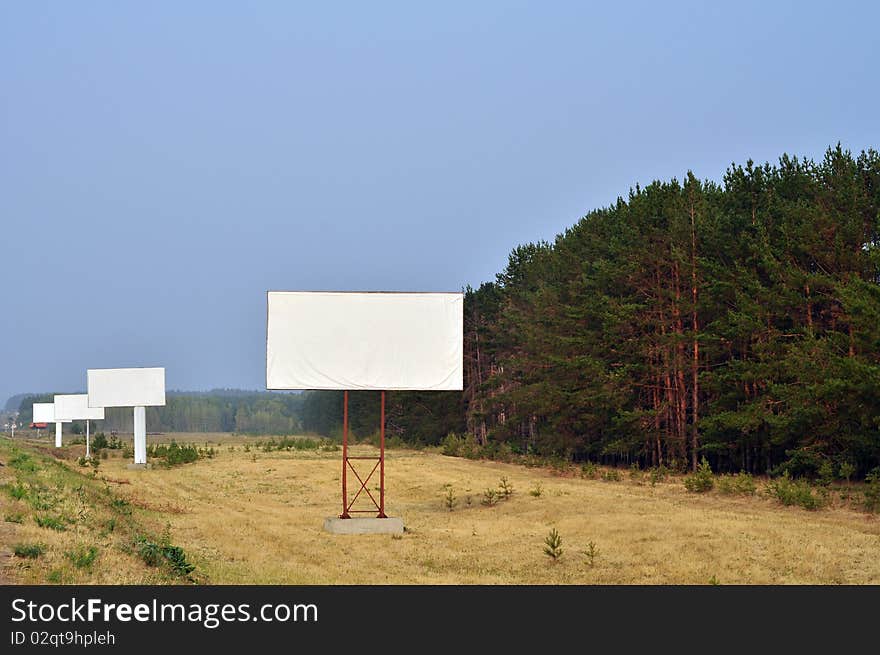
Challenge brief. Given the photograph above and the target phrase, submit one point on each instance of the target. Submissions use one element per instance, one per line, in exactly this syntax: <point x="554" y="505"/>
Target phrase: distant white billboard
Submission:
<point x="44" y="412"/>
<point x="75" y="407"/>
<point x="126" y="387"/>
<point x="351" y="340"/>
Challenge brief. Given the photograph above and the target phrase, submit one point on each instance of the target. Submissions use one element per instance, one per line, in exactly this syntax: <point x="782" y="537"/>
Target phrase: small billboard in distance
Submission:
<point x="75" y="407"/>
<point x="44" y="413"/>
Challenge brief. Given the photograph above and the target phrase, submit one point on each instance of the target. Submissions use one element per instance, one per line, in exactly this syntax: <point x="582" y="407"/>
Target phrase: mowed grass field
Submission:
<point x="257" y="517"/>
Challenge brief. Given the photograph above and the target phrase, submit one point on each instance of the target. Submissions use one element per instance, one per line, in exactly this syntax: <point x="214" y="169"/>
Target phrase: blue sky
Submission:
<point x="164" y="164"/>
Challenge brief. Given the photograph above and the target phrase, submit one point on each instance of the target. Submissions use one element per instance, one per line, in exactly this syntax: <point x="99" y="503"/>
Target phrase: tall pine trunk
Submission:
<point x="695" y="365"/>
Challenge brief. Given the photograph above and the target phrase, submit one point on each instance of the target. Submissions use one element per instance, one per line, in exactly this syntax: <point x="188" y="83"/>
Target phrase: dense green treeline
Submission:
<point x="740" y="322"/>
<point x="216" y="411"/>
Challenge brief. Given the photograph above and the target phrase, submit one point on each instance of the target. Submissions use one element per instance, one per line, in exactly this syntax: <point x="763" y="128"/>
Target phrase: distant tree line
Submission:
<point x="14" y="402"/>
<point x="738" y="322"/>
<point x="215" y="411"/>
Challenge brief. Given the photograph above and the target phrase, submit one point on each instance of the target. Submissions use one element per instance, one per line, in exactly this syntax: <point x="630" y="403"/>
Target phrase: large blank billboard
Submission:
<point x="126" y="387"/>
<point x="75" y="407"/>
<point x="380" y="341"/>
<point x="44" y="412"/>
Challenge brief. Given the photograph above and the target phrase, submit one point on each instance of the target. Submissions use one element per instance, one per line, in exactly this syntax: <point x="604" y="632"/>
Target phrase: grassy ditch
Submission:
<point x="65" y="524"/>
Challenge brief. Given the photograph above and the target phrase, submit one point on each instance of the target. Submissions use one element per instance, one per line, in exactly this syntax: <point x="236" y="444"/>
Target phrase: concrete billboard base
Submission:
<point x="359" y="525"/>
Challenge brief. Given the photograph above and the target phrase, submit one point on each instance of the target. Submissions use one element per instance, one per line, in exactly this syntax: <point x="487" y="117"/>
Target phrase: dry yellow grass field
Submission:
<point x="256" y="517"/>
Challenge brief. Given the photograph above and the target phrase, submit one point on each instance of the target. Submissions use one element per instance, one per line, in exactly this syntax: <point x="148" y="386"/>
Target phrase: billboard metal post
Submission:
<point x="344" y="514"/>
<point x="382" y="462"/>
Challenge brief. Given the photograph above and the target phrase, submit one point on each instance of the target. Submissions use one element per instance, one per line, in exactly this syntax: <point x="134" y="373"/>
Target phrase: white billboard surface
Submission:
<point x="379" y="341"/>
<point x="44" y="412"/>
<point x="126" y="387"/>
<point x="75" y="407"/>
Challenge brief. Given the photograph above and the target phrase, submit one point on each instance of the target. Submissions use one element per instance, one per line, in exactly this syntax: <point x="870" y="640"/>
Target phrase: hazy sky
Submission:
<point x="163" y="164"/>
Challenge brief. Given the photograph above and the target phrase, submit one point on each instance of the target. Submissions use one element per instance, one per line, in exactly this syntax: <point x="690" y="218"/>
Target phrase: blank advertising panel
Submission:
<point x="126" y="387"/>
<point x="44" y="413"/>
<point x="75" y="407"/>
<point x="352" y="340"/>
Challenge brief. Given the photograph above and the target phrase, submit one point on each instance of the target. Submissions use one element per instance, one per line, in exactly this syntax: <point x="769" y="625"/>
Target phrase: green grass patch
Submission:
<point x="658" y="474"/>
<point x="175" y="454"/>
<point x="741" y="484"/>
<point x="28" y="551"/>
<point x="41" y="498"/>
<point x="702" y="479"/>
<point x="16" y="491"/>
<point x="23" y="462"/>
<point x="794" y="492"/>
<point x="82" y="557"/>
<point x="611" y="475"/>
<point x="51" y="522"/>
<point x="163" y="553"/>
<point x="120" y="505"/>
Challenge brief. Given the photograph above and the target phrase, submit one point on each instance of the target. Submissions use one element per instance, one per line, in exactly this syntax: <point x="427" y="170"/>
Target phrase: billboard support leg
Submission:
<point x="87" y="439"/>
<point x="382" y="461"/>
<point x="345" y="513"/>
<point x="140" y="435"/>
<point x="58" y="434"/>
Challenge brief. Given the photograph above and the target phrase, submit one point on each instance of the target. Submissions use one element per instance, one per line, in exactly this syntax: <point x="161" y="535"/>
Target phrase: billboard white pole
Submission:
<point x="87" y="439"/>
<point x="140" y="435"/>
<point x="58" y="434"/>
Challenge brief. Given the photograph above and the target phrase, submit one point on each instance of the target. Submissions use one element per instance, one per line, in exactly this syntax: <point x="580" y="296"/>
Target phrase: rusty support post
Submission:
<point x="382" y="461"/>
<point x="344" y="514"/>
